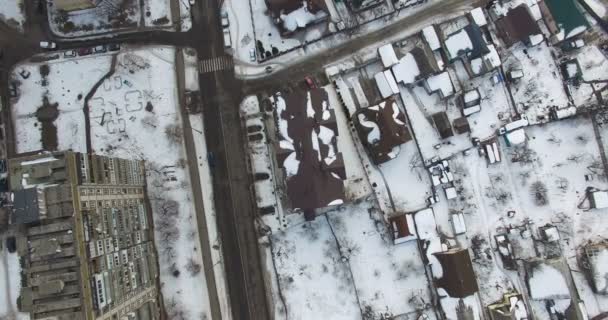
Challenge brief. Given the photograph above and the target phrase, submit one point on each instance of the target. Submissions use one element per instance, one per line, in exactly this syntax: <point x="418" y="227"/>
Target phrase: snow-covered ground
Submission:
<point x="344" y="265"/>
<point x="541" y="87"/>
<point x="134" y="114"/>
<point x="10" y="285"/>
<point x="12" y="13"/>
<point x="113" y="16"/>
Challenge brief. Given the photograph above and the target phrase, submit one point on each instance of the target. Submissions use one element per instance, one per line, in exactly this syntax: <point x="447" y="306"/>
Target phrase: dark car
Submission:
<point x="11" y="244"/>
<point x="310" y="83"/>
<point x="113" y="47"/>
<point x="211" y="159"/>
<point x="85" y="51"/>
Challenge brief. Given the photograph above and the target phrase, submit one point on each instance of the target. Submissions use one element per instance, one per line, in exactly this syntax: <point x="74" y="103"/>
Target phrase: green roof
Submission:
<point x="567" y="15"/>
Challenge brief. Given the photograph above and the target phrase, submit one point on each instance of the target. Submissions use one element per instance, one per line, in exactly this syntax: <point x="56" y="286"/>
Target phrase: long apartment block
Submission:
<point x="86" y="240"/>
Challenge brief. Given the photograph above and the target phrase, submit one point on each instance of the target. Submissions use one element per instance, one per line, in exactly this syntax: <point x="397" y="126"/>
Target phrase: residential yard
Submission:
<point x="344" y="266"/>
<point x="12" y="13"/>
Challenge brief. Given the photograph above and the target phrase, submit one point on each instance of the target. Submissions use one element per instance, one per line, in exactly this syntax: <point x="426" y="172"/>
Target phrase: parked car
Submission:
<point x="114" y="47"/>
<point x="211" y="159"/>
<point x="227" y="39"/>
<point x="225" y="21"/>
<point x="100" y="49"/>
<point x="268" y="69"/>
<point x="84" y="51"/>
<point x="48" y="45"/>
<point x="192" y="2"/>
<point x="252" y="56"/>
<point x="70" y="54"/>
<point x="310" y="82"/>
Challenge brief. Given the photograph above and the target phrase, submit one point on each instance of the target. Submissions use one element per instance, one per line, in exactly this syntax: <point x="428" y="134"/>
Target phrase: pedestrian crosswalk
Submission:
<point x="215" y="64"/>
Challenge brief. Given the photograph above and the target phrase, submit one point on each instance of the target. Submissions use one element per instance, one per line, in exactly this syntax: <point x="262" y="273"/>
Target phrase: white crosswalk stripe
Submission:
<point x="215" y="64"/>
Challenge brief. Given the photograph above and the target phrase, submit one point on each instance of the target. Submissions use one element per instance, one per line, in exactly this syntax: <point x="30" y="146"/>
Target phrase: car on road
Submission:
<point x="225" y="21"/>
<point x="48" y="45"/>
<point x="211" y="159"/>
<point x="310" y="82"/>
<point x="114" y="47"/>
<point x="70" y="54"/>
<point x="192" y="2"/>
<point x="252" y="56"/>
<point x="268" y="69"/>
<point x="100" y="49"/>
<point x="84" y="51"/>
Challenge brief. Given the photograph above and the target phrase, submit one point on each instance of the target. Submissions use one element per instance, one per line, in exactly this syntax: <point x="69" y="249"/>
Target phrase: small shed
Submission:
<point x="431" y="38"/>
<point x="450" y="193"/>
<point x="599" y="199"/>
<point x="458" y="223"/>
<point x="549" y="233"/>
<point x="403" y="228"/>
<point x="461" y="125"/>
<point x="386" y="84"/>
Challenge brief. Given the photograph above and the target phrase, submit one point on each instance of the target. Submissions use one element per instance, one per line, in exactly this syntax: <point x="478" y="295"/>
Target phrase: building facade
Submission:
<point x="73" y="5"/>
<point x="87" y="246"/>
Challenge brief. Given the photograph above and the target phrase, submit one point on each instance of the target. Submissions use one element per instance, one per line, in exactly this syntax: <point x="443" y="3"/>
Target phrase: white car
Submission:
<point x="192" y="2"/>
<point x="225" y="21"/>
<point x="252" y="56"/>
<point x="48" y="45"/>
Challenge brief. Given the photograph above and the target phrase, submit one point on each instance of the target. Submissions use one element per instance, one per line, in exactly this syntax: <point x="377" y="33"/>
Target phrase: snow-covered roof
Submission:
<point x="492" y="57"/>
<point x="479" y="17"/>
<point x="38" y="161"/>
<point x="599" y="199"/>
<point x="458" y="223"/>
<point x="550" y="233"/>
<point x="458" y="43"/>
<point x="599" y="269"/>
<point x="516" y="124"/>
<point x="387" y="55"/>
<point x="536" y="39"/>
<point x="471" y="96"/>
<point x="406" y="70"/>
<point x="386" y="84"/>
<point x="316" y="160"/>
<point x="471" y="110"/>
<point x="547" y="282"/>
<point x="425" y="223"/>
<point x="299" y="18"/>
<point x="382" y="130"/>
<point x="450" y="193"/>
<point x="441" y="83"/>
<point x="430" y="35"/>
<point x="516" y="137"/>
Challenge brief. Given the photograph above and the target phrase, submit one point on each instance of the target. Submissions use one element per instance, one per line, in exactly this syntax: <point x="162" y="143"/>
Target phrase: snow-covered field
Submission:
<point x="344" y="265"/>
<point x="10" y="285"/>
<point x="541" y="87"/>
<point x="12" y="13"/>
<point x="134" y="114"/>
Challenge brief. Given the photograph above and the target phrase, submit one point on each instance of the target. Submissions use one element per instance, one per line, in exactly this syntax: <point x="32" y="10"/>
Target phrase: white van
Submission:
<point x="227" y="40"/>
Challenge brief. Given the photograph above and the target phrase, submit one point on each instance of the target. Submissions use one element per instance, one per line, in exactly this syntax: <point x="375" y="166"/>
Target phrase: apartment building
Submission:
<point x="87" y="246"/>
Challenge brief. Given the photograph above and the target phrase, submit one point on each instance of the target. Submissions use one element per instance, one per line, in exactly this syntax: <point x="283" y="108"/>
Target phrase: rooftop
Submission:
<point x="308" y="149"/>
<point x="517" y="25"/>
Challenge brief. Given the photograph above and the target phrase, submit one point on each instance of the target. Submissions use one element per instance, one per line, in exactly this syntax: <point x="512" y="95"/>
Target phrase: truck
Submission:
<point x="227" y="40"/>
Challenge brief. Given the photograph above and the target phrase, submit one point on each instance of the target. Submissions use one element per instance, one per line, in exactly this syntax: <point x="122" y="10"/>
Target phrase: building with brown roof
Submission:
<point x="308" y="150"/>
<point x="403" y="228"/>
<point x="458" y="278"/>
<point x="442" y="123"/>
<point x="517" y="25"/>
<point x="382" y="130"/>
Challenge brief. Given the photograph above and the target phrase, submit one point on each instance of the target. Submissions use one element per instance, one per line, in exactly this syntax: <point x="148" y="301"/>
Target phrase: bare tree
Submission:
<point x="539" y="193"/>
<point x="174" y="132"/>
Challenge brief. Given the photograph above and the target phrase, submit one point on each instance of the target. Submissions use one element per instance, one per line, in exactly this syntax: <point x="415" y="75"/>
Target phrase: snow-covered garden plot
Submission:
<point x="390" y="279"/>
<point x="420" y="107"/>
<point x="157" y="13"/>
<point x="495" y="102"/>
<point x="108" y="16"/>
<point x="134" y="114"/>
<point x="541" y="87"/>
<point x="314" y="279"/>
<point x="268" y="35"/>
<point x="407" y="179"/>
<point x="51" y="100"/>
<point x="344" y="264"/>
<point x="10" y="285"/>
<point x="12" y="13"/>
